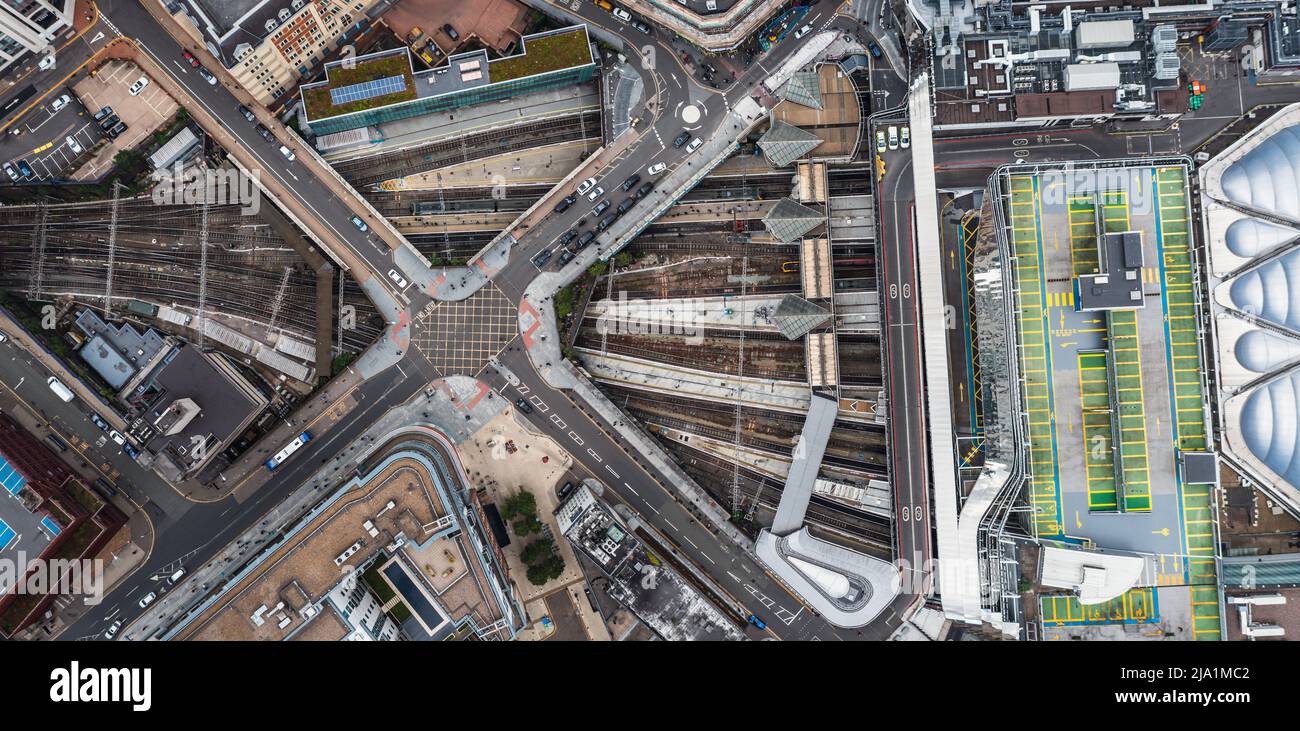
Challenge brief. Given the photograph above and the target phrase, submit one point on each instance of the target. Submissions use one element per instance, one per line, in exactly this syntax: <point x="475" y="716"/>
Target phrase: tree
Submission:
<point x="519" y="505"/>
<point x="537" y="550"/>
<point x="549" y="568"/>
<point x="527" y="525"/>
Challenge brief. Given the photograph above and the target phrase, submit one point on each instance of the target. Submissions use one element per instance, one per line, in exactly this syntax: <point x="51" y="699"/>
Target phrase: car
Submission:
<point x="585" y="239"/>
<point x="189" y="57"/>
<point x="131" y="451"/>
<point x="606" y="222"/>
<point x="905" y="138"/>
<point x="564" y="491"/>
<point x="626" y="205"/>
<point x="73" y="145"/>
<point x="566" y="257"/>
<point x="564" y="204"/>
<point x="682" y="139"/>
<point x="695" y="145"/>
<point x="175" y="577"/>
<point x="94" y="419"/>
<point x="754" y="620"/>
<point x="655" y="169"/>
<point x="621" y="14"/>
<point x="103" y="114"/>
<point x="248" y="113"/>
<point x="13" y="174"/>
<point x="117" y="436"/>
<point x="148" y="599"/>
<point x="893" y="137"/>
<point x="642" y="27"/>
<point x="874" y="49"/>
<point x="645" y="189"/>
<point x="586" y="185"/>
<point x="361" y="225"/>
<point x="540" y="260"/>
<point x="118" y="129"/>
<point x="566" y="237"/>
<point x="25" y="169"/>
<point x="46" y="63"/>
<point x="398" y="279"/>
<point x="802" y="32"/>
<point x="265" y="133"/>
<point x="112" y="630"/>
<point x="109" y="123"/>
<point x="595" y="193"/>
<point x="60" y="103"/>
<point x="880" y="141"/>
<point x="3" y="338"/>
<point x="600" y="208"/>
<point x="524" y="406"/>
<point x="450" y="31"/>
<point x="288" y="154"/>
<point x="627" y="184"/>
<point x="139" y="85"/>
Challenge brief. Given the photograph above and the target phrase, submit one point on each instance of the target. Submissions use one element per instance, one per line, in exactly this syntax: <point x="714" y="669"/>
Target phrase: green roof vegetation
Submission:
<point x="548" y="53"/>
<point x="320" y="105"/>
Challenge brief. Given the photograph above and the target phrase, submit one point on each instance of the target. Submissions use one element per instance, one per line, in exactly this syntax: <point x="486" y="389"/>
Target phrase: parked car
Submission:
<point x="540" y="260"/>
<point x="248" y="113"/>
<point x="645" y="189"/>
<point x="13" y="174"/>
<point x="72" y="145"/>
<point x="566" y="237"/>
<point x="642" y="27"/>
<point x="450" y="31"/>
<point x="103" y="113"/>
<point x="695" y="145"/>
<point x="208" y="76"/>
<point x="754" y="620"/>
<point x="802" y="32"/>
<point x="600" y="208"/>
<point x="361" y="225"/>
<point x="622" y="14"/>
<point x="288" y="154"/>
<point x="905" y="137"/>
<point x="595" y="193"/>
<point x="398" y="279"/>
<point x="139" y="85"/>
<point x="586" y="185"/>
<point x="148" y="599"/>
<point x="655" y="169"/>
<point x="564" y="204"/>
<point x="131" y="451"/>
<point x="175" y="577"/>
<point x="117" y="437"/>
<point x="564" y="491"/>
<point x="606" y="222"/>
<point x="112" y="630"/>
<point x="874" y="49"/>
<point x="880" y="141"/>
<point x="627" y="184"/>
<point x="566" y="257"/>
<point x="60" y="103"/>
<point x="682" y="139"/>
<point x="46" y="63"/>
<point x="25" y="169"/>
<point x="524" y="406"/>
<point x="265" y="133"/>
<point x="118" y="129"/>
<point x="626" y="205"/>
<point x="585" y="239"/>
<point x="189" y="57"/>
<point x="94" y="419"/>
<point x="110" y="123"/>
<point x="893" y="137"/>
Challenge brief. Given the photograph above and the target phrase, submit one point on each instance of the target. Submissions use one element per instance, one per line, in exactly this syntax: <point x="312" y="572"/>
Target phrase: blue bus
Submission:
<point x="289" y="449"/>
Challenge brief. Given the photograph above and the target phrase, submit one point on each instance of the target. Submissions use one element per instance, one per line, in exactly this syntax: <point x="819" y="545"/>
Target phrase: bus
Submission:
<point x="60" y="390"/>
<point x="292" y="447"/>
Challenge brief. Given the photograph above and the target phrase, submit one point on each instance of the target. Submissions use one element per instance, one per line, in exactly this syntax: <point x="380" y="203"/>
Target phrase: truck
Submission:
<point x="60" y="390"/>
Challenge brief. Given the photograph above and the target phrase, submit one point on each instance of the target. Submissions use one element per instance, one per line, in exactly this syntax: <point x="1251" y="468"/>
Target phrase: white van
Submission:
<point x="60" y="390"/>
<point x="893" y="138"/>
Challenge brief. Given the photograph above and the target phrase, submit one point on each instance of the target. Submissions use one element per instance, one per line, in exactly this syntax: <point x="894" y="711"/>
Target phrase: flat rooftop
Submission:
<point x="387" y="78"/>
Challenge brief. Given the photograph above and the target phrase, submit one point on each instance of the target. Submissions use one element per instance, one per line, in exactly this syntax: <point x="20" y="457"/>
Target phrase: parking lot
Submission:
<point x="42" y="144"/>
<point x="110" y="86"/>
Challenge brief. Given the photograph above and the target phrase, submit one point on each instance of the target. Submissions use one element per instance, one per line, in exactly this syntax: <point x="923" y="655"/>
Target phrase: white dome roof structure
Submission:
<point x="1271" y="428"/>
<point x="1271" y="291"/>
<point x="1249" y="237"/>
<point x="1262" y="351"/>
<point x="1268" y="177"/>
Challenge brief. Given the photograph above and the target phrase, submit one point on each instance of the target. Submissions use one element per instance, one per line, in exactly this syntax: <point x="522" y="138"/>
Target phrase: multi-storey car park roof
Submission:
<point x="1251" y="195"/>
<point x="381" y="87"/>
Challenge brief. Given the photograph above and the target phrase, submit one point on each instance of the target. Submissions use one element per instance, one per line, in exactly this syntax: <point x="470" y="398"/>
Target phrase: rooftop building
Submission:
<point x="640" y="580"/>
<point x="401" y="536"/>
<point x="382" y="87"/>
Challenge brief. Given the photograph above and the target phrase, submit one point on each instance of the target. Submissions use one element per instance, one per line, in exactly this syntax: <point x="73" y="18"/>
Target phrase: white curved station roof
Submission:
<point x="1254" y="272"/>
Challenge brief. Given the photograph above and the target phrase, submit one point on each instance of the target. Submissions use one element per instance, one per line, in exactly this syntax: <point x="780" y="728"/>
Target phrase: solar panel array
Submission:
<point x="367" y="89"/>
